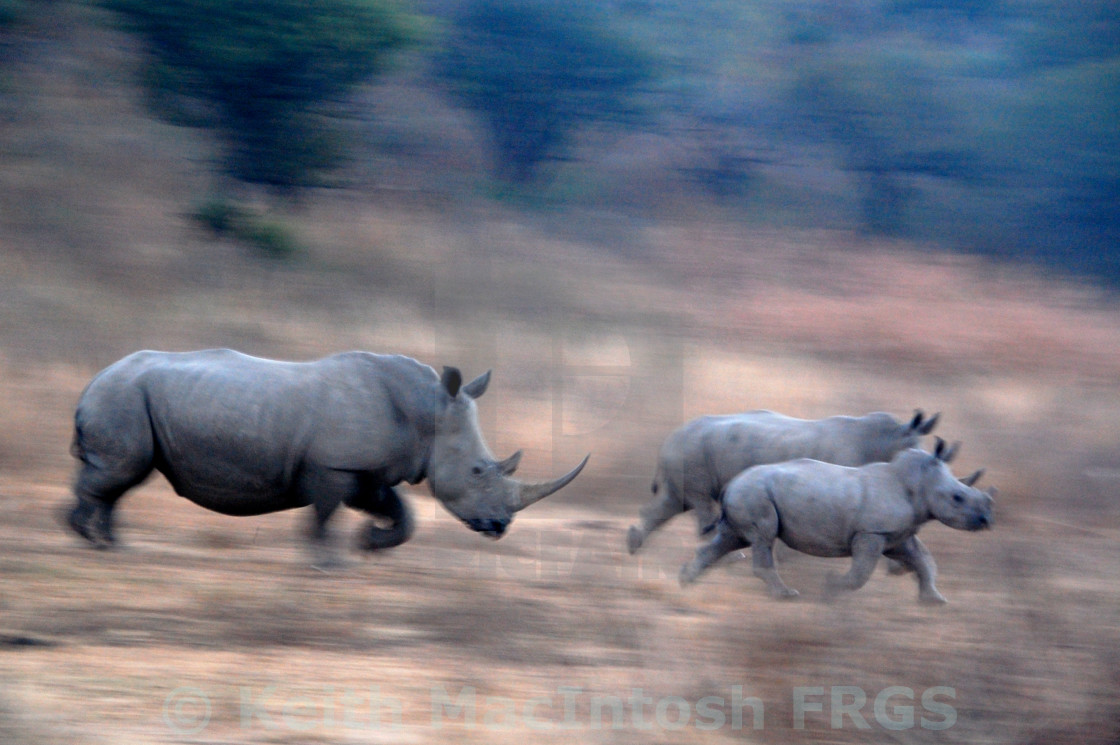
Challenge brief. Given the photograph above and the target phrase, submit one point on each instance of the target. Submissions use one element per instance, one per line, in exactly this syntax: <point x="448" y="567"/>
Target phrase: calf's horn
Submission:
<point x="527" y="494"/>
<point x="973" y="478"/>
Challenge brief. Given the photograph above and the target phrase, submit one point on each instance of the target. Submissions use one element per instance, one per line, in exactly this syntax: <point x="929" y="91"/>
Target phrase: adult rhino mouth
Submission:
<point x="490" y="528"/>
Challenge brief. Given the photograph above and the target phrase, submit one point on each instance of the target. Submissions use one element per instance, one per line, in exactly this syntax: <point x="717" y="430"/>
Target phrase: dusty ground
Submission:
<point x="604" y="333"/>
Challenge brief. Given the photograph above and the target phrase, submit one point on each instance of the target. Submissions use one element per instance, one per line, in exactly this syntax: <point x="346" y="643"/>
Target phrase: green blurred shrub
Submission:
<point x="535" y="71"/>
<point x="223" y="217"/>
<point x="271" y="77"/>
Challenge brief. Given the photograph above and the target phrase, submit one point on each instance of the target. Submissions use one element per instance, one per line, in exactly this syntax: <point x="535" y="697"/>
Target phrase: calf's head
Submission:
<point x="463" y="474"/>
<point x="955" y="502"/>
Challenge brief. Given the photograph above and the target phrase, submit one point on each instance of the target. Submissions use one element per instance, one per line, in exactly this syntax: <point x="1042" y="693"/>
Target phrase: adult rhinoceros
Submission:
<point x="242" y="435"/>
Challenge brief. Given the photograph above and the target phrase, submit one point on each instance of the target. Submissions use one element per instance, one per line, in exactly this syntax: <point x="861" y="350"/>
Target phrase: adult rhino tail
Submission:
<point x="76" y="448"/>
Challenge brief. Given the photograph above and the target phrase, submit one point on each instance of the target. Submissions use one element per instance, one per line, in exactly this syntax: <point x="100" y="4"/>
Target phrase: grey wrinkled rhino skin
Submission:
<point x="698" y="460"/>
<point x="827" y="510"/>
<point x="242" y="435"/>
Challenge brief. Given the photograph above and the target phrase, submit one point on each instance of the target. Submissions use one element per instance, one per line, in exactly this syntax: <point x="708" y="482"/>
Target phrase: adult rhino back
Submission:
<point x="244" y="436"/>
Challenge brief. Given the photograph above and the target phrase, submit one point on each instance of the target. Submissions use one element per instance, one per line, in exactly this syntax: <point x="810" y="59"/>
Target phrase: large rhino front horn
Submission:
<point x="526" y="494"/>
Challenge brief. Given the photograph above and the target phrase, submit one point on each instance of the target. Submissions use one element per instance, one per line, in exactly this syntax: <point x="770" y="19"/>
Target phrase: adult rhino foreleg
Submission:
<point x="325" y="489"/>
<point x="384" y="505"/>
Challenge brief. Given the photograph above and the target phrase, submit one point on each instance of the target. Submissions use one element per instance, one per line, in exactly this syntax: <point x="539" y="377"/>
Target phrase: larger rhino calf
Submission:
<point x="827" y="510"/>
<point x="700" y="458"/>
<point x="242" y="435"/>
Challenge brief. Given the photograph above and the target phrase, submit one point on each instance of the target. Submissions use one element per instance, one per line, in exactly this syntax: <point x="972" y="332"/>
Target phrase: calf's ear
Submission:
<point x="451" y="380"/>
<point x="946" y="453"/>
<point x="477" y="387"/>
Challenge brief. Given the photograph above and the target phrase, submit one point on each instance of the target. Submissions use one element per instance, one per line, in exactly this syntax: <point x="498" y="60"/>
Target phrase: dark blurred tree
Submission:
<point x="536" y="70"/>
<point x="270" y="76"/>
<point x="11" y="12"/>
<point x="885" y="114"/>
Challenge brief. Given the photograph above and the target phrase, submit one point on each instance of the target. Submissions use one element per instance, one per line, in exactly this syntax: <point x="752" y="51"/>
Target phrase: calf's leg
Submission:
<point x="914" y="555"/>
<point x="726" y="540"/>
<point x="762" y="534"/>
<point x="866" y="550"/>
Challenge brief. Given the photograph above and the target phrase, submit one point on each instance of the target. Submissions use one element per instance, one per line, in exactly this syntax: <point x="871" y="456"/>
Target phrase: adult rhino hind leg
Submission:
<point x="392" y="522"/>
<point x="97" y="490"/>
<point x="81" y="518"/>
<point x="664" y="506"/>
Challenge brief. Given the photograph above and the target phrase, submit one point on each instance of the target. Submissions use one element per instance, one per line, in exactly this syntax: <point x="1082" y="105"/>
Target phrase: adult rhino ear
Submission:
<point x="922" y="426"/>
<point x="477" y="387"/>
<point x="451" y="380"/>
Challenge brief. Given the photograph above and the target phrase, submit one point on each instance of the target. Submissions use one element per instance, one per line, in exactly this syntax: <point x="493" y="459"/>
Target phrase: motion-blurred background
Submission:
<point x="634" y="212"/>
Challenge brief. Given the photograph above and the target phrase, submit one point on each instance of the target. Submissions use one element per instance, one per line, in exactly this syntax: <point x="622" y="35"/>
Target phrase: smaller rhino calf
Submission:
<point x="827" y="510"/>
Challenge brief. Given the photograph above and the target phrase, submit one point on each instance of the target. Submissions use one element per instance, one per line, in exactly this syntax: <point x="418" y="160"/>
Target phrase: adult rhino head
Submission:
<point x="463" y="474"/>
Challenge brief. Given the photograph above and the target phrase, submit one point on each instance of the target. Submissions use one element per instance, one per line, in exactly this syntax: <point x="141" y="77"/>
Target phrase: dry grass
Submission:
<point x="598" y="345"/>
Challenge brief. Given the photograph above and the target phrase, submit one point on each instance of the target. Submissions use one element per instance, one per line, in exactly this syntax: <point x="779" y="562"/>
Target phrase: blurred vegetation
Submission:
<point x="270" y="76"/>
<point x="535" y="70"/>
<point x="224" y="218"/>
<point x="987" y="125"/>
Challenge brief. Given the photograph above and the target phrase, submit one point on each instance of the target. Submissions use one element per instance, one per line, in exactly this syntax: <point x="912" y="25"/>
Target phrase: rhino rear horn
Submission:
<point x="509" y="465"/>
<point x="527" y="494"/>
<point x="973" y="478"/>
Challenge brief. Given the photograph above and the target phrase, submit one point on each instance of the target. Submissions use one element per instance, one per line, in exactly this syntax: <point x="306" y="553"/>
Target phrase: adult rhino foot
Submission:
<point x="373" y="537"/>
<point x="330" y="564"/>
<point x="81" y="521"/>
<point x="634" y="539"/>
<point x="82" y="529"/>
<point x="784" y="593"/>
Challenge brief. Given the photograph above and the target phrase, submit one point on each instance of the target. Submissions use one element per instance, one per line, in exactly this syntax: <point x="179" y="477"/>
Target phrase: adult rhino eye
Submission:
<point x="476" y="470"/>
<point x="958" y="498"/>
